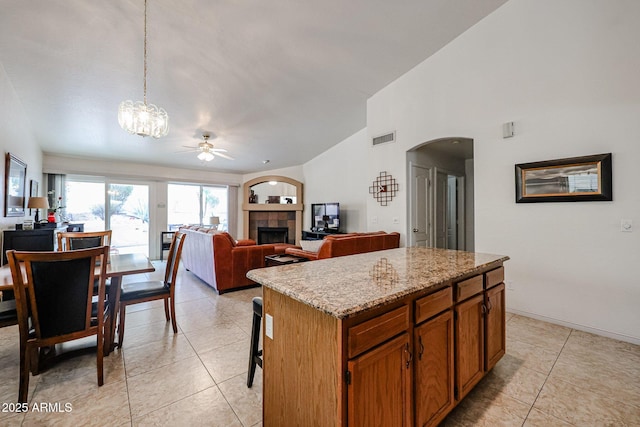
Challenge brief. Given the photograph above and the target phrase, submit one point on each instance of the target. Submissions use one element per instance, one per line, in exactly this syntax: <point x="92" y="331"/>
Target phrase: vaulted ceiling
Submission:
<point x="278" y="80"/>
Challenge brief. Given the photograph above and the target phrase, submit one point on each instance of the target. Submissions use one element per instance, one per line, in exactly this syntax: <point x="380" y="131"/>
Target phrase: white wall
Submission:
<point x="566" y="72"/>
<point x="340" y="175"/>
<point x="16" y="138"/>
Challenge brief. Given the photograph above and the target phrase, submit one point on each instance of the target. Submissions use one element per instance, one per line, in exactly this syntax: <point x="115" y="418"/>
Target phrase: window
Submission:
<point x="195" y="204"/>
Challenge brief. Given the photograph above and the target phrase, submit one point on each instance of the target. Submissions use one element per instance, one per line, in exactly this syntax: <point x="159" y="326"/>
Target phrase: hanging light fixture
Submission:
<point x="139" y="117"/>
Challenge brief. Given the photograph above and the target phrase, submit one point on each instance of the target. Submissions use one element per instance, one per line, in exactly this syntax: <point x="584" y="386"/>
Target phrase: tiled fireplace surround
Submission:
<point x="272" y="219"/>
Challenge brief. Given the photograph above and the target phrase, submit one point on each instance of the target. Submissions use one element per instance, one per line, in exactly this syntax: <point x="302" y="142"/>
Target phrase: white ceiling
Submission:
<point x="281" y="80"/>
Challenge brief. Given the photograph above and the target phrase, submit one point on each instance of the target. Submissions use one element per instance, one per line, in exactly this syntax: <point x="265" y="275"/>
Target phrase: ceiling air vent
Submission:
<point x="383" y="139"/>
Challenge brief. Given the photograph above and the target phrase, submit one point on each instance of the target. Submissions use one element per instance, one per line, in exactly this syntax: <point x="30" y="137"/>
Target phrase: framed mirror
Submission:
<point x="15" y="179"/>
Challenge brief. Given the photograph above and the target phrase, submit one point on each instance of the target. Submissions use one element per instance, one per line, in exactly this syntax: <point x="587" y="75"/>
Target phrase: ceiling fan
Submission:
<point x="206" y="151"/>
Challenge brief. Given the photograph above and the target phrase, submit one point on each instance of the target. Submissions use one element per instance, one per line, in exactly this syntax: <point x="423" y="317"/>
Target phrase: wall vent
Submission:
<point x="383" y="139"/>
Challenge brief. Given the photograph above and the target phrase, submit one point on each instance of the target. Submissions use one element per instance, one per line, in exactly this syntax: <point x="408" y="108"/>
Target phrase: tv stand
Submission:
<point x="317" y="235"/>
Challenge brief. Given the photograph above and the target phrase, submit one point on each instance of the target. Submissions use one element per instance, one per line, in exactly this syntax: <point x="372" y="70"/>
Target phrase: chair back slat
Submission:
<point x="74" y="240"/>
<point x="173" y="260"/>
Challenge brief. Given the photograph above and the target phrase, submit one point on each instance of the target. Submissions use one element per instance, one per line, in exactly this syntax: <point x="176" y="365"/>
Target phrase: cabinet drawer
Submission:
<point x="468" y="288"/>
<point x="368" y="334"/>
<point x="494" y="277"/>
<point x="433" y="304"/>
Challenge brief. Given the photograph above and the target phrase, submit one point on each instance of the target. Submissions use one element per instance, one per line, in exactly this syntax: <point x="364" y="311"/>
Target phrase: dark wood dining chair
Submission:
<point x="137" y="292"/>
<point x="74" y="240"/>
<point x="55" y="304"/>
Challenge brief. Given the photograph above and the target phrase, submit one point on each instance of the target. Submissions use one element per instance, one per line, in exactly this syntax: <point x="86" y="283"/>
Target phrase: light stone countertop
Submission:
<point x="344" y="286"/>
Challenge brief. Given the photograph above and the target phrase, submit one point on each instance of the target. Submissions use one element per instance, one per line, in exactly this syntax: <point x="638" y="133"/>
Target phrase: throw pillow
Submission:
<point x="311" y="245"/>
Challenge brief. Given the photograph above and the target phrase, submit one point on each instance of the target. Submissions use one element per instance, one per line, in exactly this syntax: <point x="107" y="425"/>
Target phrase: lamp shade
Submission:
<point x="214" y="220"/>
<point x="38" y="203"/>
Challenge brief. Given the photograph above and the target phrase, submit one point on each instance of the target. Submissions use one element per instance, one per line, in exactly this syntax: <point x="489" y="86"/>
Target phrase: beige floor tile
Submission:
<point x="157" y="354"/>
<point x="538" y="418"/>
<point x="611" y="380"/>
<point x="135" y="336"/>
<point x="205" y="408"/>
<point x="109" y="402"/>
<point x="532" y="356"/>
<point x="188" y="322"/>
<point x="510" y="377"/>
<point x="144" y="317"/>
<point x="246" y="402"/>
<point x="485" y="406"/>
<point x="580" y="406"/>
<point x="163" y="386"/>
<point x="531" y="331"/>
<point x="220" y="335"/>
<point x="228" y="361"/>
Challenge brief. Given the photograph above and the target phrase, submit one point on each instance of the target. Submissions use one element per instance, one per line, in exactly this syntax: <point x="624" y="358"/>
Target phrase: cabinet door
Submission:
<point x="434" y="369"/>
<point x="469" y="325"/>
<point x="495" y="343"/>
<point x="379" y="392"/>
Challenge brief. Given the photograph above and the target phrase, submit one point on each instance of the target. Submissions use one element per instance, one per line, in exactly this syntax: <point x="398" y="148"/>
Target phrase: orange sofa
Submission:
<point x="221" y="261"/>
<point x="336" y="245"/>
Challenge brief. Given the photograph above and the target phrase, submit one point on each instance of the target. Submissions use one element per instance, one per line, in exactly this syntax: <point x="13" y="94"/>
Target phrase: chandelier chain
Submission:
<point x="145" y="52"/>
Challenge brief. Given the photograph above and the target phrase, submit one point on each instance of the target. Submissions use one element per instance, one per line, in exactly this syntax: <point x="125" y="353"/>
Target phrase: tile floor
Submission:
<point x="550" y="376"/>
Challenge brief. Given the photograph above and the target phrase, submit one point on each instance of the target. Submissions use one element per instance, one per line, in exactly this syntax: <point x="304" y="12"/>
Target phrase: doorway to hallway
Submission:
<point x="440" y="201"/>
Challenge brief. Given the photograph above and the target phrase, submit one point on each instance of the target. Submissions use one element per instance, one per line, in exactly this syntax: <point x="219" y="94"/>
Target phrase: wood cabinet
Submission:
<point x="469" y="344"/>
<point x="495" y="331"/>
<point x="434" y="368"/>
<point x="378" y="391"/>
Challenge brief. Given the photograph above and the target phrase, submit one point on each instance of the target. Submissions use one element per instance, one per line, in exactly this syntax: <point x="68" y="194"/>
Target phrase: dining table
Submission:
<point x="118" y="266"/>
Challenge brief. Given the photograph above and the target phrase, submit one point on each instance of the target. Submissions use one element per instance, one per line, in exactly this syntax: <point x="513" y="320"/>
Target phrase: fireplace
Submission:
<point x="273" y="235"/>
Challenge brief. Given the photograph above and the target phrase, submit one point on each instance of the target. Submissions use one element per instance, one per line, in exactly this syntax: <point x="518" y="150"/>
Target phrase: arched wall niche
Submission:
<point x="273" y="213"/>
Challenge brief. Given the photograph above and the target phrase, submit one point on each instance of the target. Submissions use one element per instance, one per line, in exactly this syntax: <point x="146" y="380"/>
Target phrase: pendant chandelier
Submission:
<point x="139" y="117"/>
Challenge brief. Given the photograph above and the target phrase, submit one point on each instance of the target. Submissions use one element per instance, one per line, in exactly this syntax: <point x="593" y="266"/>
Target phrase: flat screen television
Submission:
<point x="325" y="217"/>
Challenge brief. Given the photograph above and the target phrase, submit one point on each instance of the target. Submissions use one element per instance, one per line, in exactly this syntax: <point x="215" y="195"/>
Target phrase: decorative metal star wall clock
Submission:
<point x="384" y="188"/>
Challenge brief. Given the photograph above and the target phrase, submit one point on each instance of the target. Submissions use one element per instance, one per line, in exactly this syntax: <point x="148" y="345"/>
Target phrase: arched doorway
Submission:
<point x="440" y="196"/>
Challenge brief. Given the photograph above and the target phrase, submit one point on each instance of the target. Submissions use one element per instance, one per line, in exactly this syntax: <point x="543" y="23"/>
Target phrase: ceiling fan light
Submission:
<point x="206" y="156"/>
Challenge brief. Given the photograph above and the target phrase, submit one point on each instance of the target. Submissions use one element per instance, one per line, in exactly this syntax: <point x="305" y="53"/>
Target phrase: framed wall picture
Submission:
<point x="575" y="179"/>
<point x="15" y="179"/>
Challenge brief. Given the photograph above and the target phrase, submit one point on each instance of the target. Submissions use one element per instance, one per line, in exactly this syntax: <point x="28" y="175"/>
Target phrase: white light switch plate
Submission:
<point x="268" y="326"/>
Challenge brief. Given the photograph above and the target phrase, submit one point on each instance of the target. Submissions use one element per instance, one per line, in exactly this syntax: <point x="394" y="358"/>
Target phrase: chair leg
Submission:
<point x="173" y="314"/>
<point x="106" y="336"/>
<point x="23" y="389"/>
<point x="166" y="308"/>
<point x="123" y="309"/>
<point x="254" y="354"/>
<point x="99" y="359"/>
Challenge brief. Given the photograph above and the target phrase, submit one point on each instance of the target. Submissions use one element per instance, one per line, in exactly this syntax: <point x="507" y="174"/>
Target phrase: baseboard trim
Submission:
<point x="595" y="331"/>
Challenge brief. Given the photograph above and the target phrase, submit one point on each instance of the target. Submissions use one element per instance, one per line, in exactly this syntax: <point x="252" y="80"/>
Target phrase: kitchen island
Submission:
<point x="395" y="337"/>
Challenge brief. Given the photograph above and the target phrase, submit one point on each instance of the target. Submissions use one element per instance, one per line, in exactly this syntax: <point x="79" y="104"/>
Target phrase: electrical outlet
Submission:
<point x="268" y="326"/>
<point x="396" y="220"/>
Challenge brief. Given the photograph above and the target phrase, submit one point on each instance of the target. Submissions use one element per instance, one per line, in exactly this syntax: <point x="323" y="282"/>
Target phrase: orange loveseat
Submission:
<point x="221" y="261"/>
<point x="350" y="244"/>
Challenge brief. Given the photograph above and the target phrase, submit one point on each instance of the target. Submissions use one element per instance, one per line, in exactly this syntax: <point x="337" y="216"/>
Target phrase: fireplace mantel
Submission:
<point x="272" y="210"/>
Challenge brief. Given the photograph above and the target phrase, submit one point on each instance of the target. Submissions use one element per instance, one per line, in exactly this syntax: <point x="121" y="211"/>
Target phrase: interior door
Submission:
<point x="419" y="220"/>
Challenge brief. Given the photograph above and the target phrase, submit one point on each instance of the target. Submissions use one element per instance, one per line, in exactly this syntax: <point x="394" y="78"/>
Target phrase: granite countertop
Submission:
<point x="344" y="286"/>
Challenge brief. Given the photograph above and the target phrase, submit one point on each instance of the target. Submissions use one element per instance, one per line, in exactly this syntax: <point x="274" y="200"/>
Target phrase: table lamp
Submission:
<point x="38" y="203"/>
<point x="214" y="221"/>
